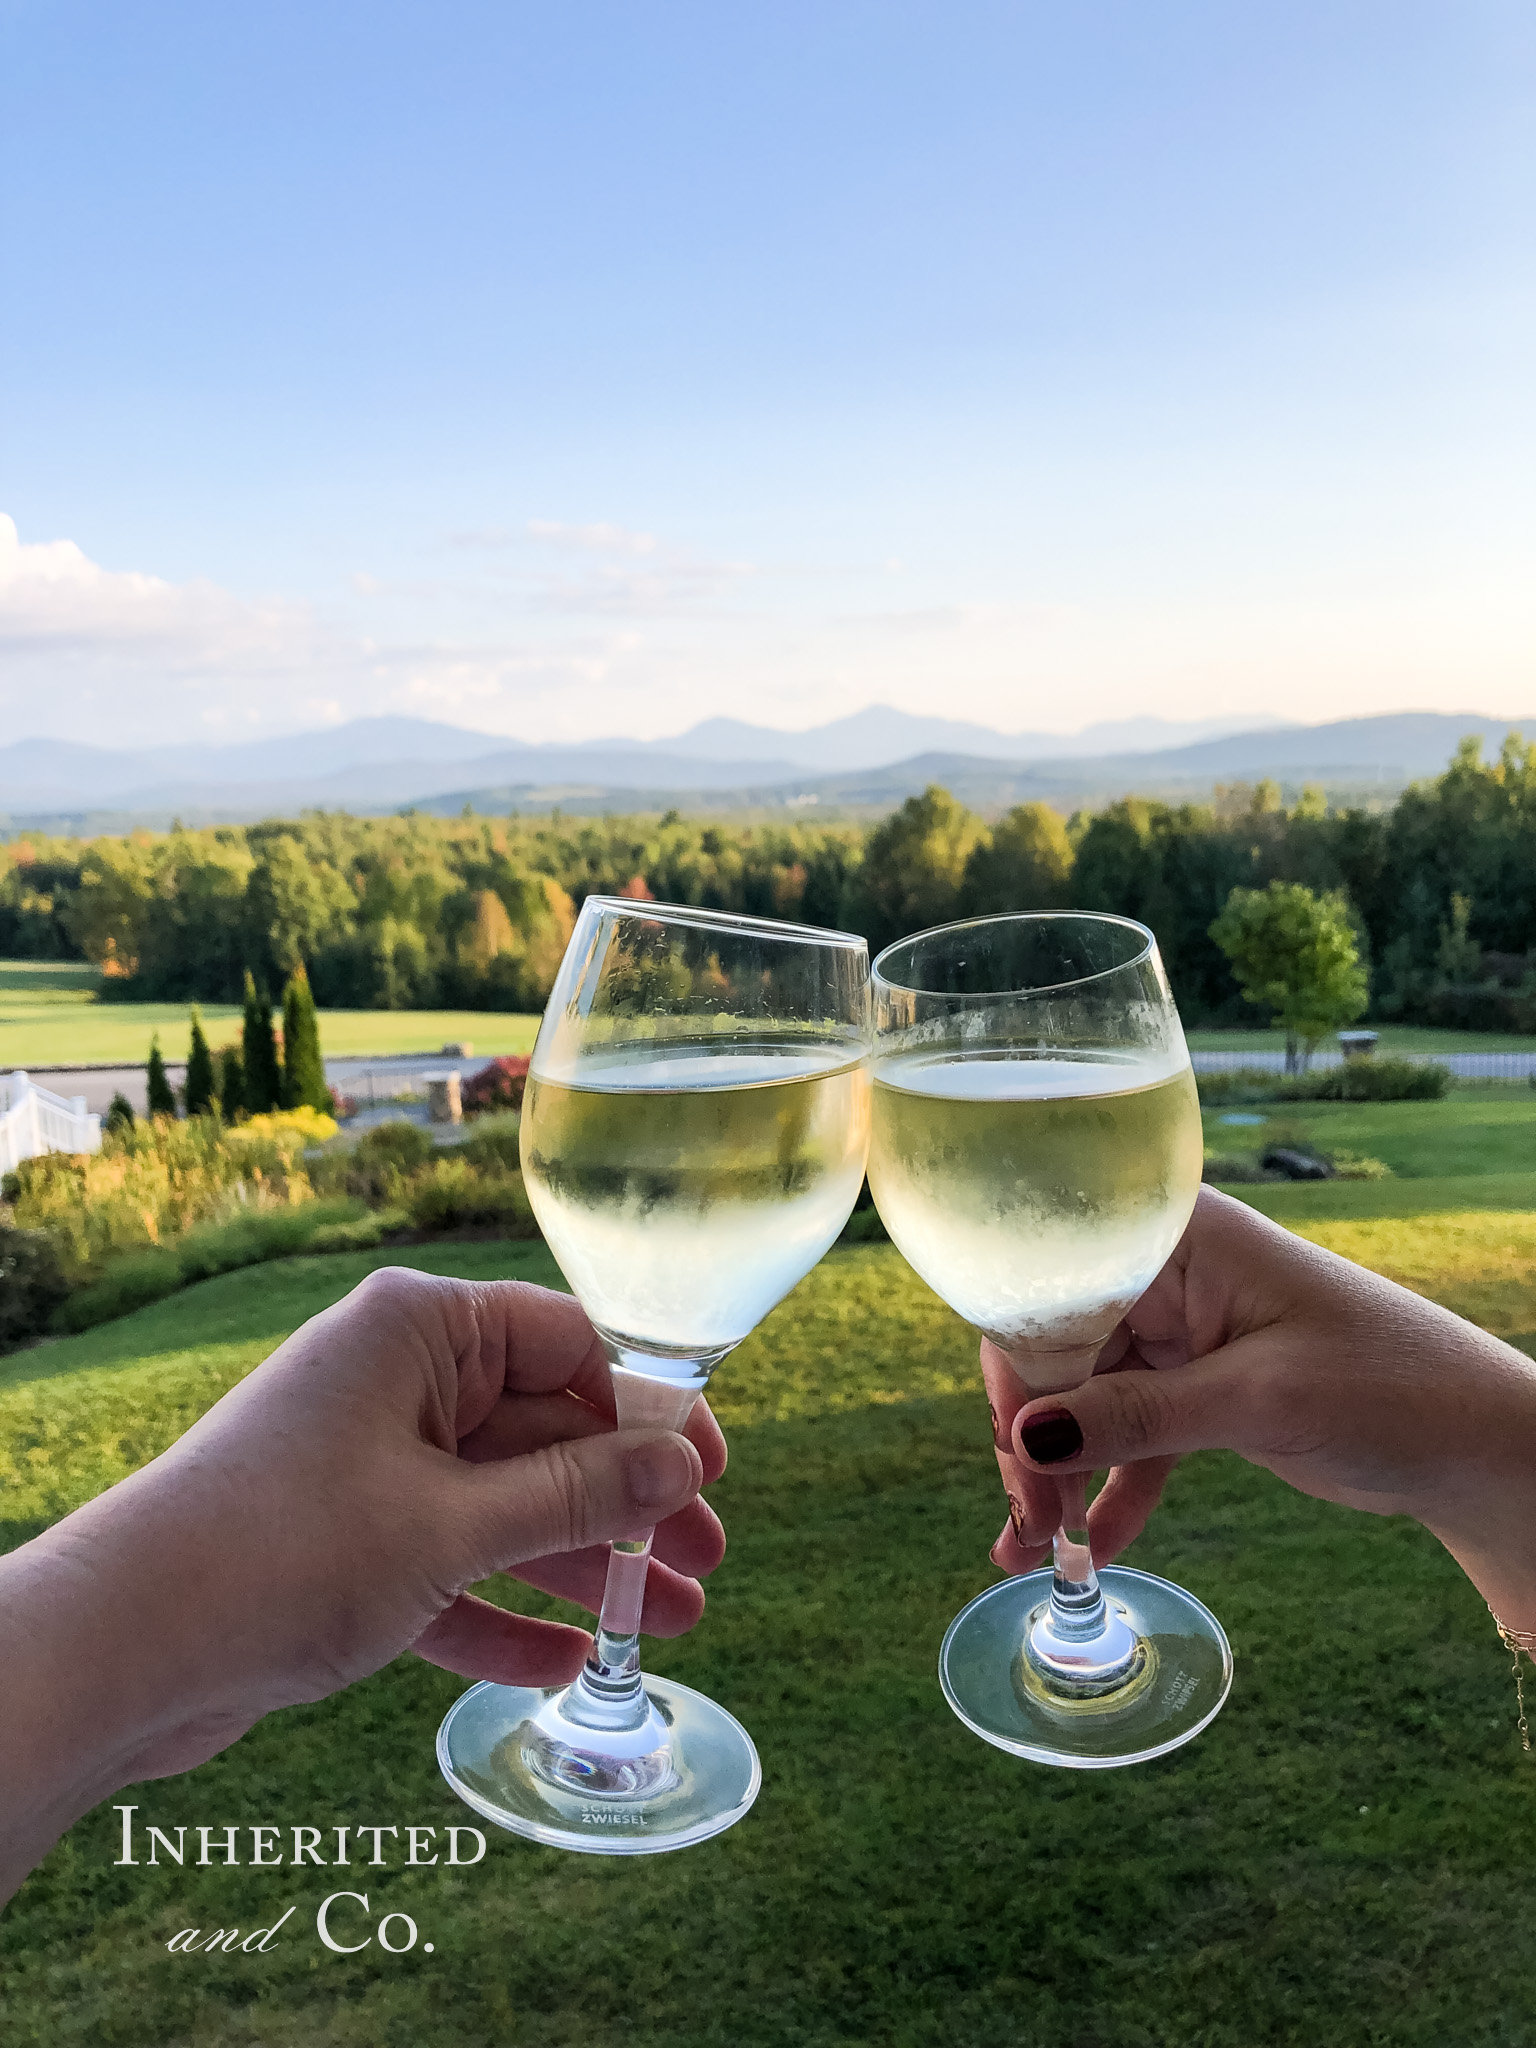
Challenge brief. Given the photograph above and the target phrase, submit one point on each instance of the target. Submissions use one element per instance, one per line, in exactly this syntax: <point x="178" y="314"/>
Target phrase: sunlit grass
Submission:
<point x="50" y="1016"/>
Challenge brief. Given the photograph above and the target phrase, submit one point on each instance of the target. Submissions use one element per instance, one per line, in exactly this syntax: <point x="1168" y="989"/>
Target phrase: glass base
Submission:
<point x="690" y="1773"/>
<point x="1176" y="1678"/>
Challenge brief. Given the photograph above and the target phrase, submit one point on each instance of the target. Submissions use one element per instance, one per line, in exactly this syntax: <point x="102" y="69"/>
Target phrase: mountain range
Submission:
<point x="871" y="759"/>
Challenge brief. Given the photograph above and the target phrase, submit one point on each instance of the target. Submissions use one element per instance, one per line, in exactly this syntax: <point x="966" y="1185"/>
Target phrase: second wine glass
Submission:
<point x="1036" y="1155"/>
<point x="693" y="1139"/>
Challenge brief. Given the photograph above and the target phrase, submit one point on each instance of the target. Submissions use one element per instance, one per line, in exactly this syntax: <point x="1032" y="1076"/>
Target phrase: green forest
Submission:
<point x="410" y="912"/>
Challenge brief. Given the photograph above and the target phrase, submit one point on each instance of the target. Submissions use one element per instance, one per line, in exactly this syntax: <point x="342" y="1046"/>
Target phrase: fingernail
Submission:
<point x="661" y="1472"/>
<point x="999" y="1440"/>
<point x="1050" y="1437"/>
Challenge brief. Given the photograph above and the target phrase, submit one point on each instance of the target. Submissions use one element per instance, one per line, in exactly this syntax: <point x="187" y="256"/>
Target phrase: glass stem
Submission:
<point x="609" y="1694"/>
<point x="1077" y="1605"/>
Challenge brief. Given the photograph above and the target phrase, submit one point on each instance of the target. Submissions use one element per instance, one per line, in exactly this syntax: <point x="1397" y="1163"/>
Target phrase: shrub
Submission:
<point x="131" y="1281"/>
<point x="360" y="1236"/>
<point x="32" y="1285"/>
<point x="303" y="1080"/>
<point x="160" y="1095"/>
<point x="134" y="1279"/>
<point x="199" y="1090"/>
<point x="493" y="1148"/>
<point x="497" y="1086"/>
<point x="1369" y="1080"/>
<point x="452" y="1195"/>
<point x="119" y="1116"/>
<point x="155" y="1181"/>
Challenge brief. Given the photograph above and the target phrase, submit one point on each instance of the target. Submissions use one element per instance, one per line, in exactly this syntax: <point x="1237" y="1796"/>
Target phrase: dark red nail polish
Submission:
<point x="1051" y="1437"/>
<point x="1000" y="1442"/>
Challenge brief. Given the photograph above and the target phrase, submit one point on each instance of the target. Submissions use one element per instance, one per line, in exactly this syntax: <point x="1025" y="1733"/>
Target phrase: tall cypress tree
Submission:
<point x="262" y="1080"/>
<point x="304" y="1083"/>
<point x="162" y="1097"/>
<point x="231" y="1082"/>
<point x="197" y="1095"/>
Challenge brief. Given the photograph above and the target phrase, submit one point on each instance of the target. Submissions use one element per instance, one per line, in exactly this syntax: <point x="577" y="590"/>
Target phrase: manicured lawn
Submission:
<point x="1341" y="1859"/>
<point x="49" y="1016"/>
<point x="1470" y="1131"/>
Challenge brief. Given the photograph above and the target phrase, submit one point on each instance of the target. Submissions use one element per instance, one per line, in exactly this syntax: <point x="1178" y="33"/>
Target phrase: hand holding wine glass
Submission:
<point x="1342" y="1384"/>
<point x="1035" y="1155"/>
<point x="693" y="1139"/>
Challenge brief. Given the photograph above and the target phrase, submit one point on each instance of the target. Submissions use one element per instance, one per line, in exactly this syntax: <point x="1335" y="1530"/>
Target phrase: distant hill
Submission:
<point x="57" y="785"/>
<point x="378" y="763"/>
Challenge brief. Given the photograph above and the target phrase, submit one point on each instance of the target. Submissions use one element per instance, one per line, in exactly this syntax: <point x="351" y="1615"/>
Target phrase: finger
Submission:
<point x="1120" y="1417"/>
<point x="1009" y="1554"/>
<point x="1034" y="1506"/>
<point x="565" y="1497"/>
<point x="478" y="1640"/>
<point x="691" y="1542"/>
<point x="519" y="1423"/>
<point x="673" y="1601"/>
<point x="1123" y="1506"/>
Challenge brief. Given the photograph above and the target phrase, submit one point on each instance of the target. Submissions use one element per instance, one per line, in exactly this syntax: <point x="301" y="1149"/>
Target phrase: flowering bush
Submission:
<point x="498" y="1086"/>
<point x="150" y="1183"/>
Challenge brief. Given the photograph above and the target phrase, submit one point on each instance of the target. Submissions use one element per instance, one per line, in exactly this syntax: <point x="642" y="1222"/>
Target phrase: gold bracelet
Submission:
<point x="1515" y="1640"/>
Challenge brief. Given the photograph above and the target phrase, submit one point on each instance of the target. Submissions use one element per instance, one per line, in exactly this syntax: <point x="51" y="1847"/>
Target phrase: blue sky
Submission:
<point x="600" y="368"/>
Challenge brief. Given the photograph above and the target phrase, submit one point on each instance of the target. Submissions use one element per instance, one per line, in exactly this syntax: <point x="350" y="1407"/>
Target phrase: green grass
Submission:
<point x="1338" y="1860"/>
<point x="49" y="1016"/>
<point x="1470" y="1131"/>
<point x="1394" y="1038"/>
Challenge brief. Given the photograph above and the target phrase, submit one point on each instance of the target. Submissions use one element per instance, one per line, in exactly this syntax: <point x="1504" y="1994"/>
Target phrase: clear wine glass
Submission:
<point x="693" y="1139"/>
<point x="1035" y="1155"/>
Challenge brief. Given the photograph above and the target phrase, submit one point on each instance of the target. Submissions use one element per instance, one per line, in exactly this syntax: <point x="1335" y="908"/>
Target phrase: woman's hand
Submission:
<point x="1339" y="1382"/>
<point x="330" y="1512"/>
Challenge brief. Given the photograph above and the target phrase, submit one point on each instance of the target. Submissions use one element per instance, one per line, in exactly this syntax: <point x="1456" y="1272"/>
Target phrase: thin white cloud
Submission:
<point x="604" y="638"/>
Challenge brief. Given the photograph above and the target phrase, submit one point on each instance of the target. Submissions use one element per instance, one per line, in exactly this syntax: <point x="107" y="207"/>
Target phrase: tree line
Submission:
<point x="415" y="911"/>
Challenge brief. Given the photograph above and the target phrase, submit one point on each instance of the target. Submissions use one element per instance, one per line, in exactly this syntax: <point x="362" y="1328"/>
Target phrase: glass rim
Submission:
<point x="731" y="921"/>
<point x="1044" y="988"/>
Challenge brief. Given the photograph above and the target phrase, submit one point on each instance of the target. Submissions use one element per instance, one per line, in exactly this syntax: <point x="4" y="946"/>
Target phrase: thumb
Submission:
<point x="1119" y="1417"/>
<point x="580" y="1491"/>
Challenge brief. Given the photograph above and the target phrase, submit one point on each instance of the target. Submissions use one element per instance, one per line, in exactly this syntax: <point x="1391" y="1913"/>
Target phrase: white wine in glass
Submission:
<point x="693" y="1139"/>
<point x="1036" y="1154"/>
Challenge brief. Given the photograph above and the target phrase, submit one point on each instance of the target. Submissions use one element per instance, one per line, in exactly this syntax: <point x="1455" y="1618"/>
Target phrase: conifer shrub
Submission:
<point x="258" y="1052"/>
<point x="198" y="1092"/>
<point x="231" y="1065"/>
<point x="119" y="1116"/>
<point x="159" y="1093"/>
<point x="304" y="1084"/>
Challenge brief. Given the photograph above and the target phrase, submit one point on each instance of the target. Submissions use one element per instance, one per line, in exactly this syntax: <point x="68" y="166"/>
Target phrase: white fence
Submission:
<point x="34" y="1120"/>
<point x="1466" y="1066"/>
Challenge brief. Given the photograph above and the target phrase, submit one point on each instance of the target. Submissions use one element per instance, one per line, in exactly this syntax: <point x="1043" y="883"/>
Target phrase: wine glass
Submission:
<point x="1035" y="1154"/>
<point x="693" y="1139"/>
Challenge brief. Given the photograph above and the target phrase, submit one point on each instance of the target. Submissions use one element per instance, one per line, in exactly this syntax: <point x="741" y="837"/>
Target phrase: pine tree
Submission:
<point x="162" y="1097"/>
<point x="120" y="1116"/>
<point x="197" y="1094"/>
<point x="231" y="1082"/>
<point x="304" y="1083"/>
<point x="259" y="1054"/>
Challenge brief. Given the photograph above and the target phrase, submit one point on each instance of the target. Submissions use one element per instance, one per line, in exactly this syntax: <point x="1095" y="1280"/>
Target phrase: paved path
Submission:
<point x="373" y="1083"/>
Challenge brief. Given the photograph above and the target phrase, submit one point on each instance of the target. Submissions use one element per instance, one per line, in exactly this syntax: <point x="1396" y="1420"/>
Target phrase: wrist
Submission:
<point x="1487" y="1518"/>
<point x="102" y="1674"/>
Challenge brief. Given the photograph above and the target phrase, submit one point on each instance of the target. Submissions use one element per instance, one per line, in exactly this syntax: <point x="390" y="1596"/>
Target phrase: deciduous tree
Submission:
<point x="1295" y="954"/>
